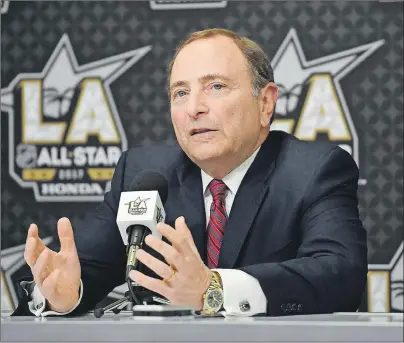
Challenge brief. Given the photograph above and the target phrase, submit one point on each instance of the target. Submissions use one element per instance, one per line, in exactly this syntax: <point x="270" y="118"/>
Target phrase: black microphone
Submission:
<point x="139" y="211"/>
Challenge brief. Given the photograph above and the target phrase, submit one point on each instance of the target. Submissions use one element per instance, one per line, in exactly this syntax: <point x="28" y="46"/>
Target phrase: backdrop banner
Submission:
<point x="83" y="81"/>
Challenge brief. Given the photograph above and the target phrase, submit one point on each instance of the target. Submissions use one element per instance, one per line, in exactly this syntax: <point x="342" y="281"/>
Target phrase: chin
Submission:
<point x="206" y="152"/>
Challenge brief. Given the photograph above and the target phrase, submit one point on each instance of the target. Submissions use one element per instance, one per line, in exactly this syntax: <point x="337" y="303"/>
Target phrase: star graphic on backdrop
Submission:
<point x="291" y="68"/>
<point x="62" y="74"/>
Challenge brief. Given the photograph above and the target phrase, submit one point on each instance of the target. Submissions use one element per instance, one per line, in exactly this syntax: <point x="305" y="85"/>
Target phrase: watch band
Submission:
<point x="214" y="286"/>
<point x="216" y="280"/>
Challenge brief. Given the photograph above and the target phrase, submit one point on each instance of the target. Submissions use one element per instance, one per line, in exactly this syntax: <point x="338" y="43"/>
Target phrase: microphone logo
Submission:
<point x="137" y="207"/>
<point x="159" y="215"/>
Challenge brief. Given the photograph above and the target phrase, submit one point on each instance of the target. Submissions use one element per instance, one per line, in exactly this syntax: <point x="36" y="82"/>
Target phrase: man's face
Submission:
<point x="213" y="110"/>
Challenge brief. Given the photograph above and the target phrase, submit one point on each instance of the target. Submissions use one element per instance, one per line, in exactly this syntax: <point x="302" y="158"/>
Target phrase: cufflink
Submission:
<point x="244" y="306"/>
<point x="38" y="306"/>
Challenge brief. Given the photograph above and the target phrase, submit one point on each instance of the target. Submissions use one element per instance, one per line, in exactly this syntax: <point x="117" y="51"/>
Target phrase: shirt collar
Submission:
<point x="234" y="178"/>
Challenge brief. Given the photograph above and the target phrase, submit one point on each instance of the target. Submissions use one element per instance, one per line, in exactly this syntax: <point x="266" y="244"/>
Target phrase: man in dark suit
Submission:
<point x="257" y="221"/>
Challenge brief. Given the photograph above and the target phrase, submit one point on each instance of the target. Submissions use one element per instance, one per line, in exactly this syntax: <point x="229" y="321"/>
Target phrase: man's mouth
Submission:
<point x="200" y="131"/>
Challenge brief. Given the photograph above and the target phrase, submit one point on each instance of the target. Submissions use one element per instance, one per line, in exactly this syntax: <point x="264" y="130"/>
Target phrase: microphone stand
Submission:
<point x="136" y="295"/>
<point x="115" y="307"/>
<point x="141" y="295"/>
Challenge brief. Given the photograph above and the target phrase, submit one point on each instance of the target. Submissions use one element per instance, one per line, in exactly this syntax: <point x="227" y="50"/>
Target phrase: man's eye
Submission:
<point x="217" y="86"/>
<point x="180" y="94"/>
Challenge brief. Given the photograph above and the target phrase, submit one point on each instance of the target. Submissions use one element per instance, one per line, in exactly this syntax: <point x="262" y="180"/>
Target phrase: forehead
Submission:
<point x="214" y="55"/>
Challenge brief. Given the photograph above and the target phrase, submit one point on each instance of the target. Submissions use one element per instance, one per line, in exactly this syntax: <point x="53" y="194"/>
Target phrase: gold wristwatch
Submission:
<point x="213" y="297"/>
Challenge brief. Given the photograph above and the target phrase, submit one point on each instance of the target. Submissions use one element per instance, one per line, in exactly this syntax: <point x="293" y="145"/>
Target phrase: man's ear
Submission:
<point x="268" y="98"/>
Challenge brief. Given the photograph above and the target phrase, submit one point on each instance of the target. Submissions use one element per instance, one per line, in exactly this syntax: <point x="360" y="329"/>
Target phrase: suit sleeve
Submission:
<point x="330" y="269"/>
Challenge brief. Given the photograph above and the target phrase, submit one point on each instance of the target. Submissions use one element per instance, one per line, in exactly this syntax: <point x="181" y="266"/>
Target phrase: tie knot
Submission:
<point x="217" y="188"/>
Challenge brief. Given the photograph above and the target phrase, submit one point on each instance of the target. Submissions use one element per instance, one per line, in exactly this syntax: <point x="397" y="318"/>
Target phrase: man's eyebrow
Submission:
<point x="178" y="84"/>
<point x="210" y="77"/>
<point x="203" y="79"/>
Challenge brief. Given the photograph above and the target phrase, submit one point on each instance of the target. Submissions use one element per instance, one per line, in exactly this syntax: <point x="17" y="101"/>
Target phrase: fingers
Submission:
<point x="150" y="283"/>
<point x="33" y="231"/>
<point x="66" y="237"/>
<point x="33" y="246"/>
<point x="159" y="267"/>
<point x="170" y="254"/>
<point x="30" y="254"/>
<point x="178" y="240"/>
<point x="42" y="267"/>
<point x="182" y="228"/>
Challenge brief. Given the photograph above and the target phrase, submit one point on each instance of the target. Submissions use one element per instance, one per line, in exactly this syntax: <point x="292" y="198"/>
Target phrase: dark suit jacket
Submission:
<point x="294" y="225"/>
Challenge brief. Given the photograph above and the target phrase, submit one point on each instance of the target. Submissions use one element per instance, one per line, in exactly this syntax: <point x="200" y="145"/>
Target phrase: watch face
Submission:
<point x="215" y="299"/>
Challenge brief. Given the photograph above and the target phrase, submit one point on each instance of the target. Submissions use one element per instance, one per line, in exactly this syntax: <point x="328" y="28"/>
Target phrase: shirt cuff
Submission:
<point x="38" y="303"/>
<point x="243" y="295"/>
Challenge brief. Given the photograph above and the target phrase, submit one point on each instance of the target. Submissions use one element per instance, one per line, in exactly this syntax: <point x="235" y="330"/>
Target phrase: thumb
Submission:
<point x="66" y="237"/>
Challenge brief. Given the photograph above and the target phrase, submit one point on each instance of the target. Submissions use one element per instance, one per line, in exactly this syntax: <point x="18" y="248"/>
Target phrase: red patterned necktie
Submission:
<point x="217" y="221"/>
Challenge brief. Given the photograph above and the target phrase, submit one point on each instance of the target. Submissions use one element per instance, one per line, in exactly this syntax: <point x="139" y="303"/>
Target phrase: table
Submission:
<point x="340" y="327"/>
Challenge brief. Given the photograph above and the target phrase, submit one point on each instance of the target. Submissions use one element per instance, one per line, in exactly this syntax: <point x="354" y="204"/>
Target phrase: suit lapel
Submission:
<point x="252" y="191"/>
<point x="186" y="199"/>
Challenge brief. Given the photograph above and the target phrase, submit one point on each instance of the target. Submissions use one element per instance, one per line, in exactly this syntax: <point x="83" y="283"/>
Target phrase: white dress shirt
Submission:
<point x="238" y="286"/>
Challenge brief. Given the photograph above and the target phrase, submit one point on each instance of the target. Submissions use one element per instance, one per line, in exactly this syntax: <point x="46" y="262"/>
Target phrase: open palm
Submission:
<point x="57" y="274"/>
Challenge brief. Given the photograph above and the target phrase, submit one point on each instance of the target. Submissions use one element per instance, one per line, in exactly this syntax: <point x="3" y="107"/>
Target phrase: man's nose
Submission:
<point x="196" y="105"/>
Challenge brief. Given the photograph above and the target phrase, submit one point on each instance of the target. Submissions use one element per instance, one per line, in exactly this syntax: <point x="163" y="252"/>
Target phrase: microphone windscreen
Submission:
<point x="150" y="180"/>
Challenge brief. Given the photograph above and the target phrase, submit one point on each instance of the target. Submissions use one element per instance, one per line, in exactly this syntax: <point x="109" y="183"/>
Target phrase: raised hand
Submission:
<point x="56" y="274"/>
<point x="186" y="277"/>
